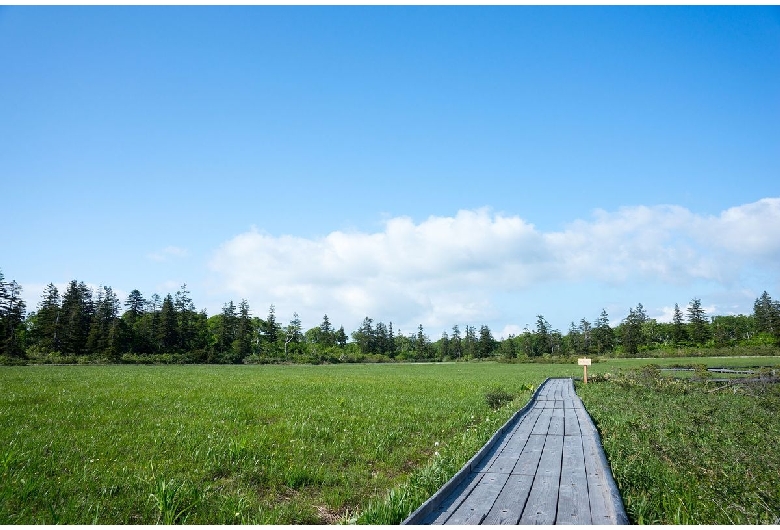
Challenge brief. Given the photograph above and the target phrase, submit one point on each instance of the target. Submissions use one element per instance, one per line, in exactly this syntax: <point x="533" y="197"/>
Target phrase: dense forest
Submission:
<point x="80" y="326"/>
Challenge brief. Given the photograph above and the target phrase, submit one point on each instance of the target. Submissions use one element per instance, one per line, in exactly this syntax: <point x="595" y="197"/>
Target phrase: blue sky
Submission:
<point x="433" y="165"/>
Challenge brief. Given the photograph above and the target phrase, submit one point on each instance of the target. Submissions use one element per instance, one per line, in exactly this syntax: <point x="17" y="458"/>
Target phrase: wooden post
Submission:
<point x="584" y="363"/>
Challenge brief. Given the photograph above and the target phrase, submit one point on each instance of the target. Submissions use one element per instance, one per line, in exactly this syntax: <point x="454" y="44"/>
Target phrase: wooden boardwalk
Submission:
<point x="545" y="466"/>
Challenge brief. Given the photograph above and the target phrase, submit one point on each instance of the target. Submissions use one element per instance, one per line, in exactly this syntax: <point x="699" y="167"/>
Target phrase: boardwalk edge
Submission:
<point x="432" y="503"/>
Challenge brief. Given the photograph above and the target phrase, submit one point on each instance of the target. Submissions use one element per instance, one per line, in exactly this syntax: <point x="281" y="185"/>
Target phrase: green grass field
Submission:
<point x="267" y="444"/>
<point x="690" y="452"/>
<point x="235" y="444"/>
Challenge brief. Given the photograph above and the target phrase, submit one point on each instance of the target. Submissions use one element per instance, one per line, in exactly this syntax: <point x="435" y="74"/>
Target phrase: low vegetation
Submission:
<point x="361" y="443"/>
<point x="243" y="444"/>
<point x="692" y="450"/>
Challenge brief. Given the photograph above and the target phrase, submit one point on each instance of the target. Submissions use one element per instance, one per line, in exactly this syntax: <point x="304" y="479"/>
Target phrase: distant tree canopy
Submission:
<point x="82" y="324"/>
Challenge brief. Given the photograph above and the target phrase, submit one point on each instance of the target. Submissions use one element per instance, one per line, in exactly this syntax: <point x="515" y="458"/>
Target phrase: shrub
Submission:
<point x="496" y="397"/>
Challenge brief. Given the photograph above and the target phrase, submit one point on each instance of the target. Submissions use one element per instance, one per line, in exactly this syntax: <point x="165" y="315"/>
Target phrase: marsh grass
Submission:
<point x="346" y="443"/>
<point x="690" y="451"/>
<point x="238" y="444"/>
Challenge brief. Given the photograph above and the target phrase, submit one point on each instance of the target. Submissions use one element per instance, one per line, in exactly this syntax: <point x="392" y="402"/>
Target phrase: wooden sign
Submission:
<point x="584" y="363"/>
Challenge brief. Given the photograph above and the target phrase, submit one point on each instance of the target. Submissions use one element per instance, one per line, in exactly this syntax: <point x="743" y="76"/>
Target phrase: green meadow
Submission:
<point x="322" y="444"/>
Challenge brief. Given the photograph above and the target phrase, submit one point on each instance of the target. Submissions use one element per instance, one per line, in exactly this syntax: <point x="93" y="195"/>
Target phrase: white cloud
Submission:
<point x="169" y="253"/>
<point x="451" y="269"/>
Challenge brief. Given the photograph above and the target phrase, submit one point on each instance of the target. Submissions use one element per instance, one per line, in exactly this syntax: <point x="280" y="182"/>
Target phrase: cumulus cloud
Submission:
<point x="167" y="254"/>
<point x="450" y="269"/>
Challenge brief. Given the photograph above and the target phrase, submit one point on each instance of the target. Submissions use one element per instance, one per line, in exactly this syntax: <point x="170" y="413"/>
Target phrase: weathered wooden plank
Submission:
<point x="543" y="422"/>
<point x="529" y="458"/>
<point x="542" y="504"/>
<point x="550" y="462"/>
<point x="601" y="508"/>
<point x="573" y="502"/>
<point x="510" y="502"/>
<point x="487" y="460"/>
<point x="481" y="499"/>
<point x="556" y="427"/>
<point x="571" y="423"/>
<point x="453" y="500"/>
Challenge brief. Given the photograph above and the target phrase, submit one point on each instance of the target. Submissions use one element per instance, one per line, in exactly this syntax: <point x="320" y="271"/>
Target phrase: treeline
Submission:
<point x="82" y="325"/>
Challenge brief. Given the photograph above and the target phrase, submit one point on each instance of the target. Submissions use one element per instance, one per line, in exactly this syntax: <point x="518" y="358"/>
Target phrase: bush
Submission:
<point x="496" y="397"/>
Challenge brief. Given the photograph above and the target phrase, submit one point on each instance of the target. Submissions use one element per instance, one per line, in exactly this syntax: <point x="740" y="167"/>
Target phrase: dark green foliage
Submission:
<point x="496" y="397"/>
<point x="80" y="326"/>
<point x="679" y="334"/>
<point x="697" y="322"/>
<point x="76" y="317"/>
<point x="12" y="313"/>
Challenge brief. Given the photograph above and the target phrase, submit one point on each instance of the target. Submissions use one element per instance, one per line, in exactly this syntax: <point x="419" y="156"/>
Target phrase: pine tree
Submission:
<point x="470" y="342"/>
<point x="185" y="315"/>
<point x="603" y="334"/>
<point x="76" y="317"/>
<point x="487" y="344"/>
<point x="455" y="343"/>
<point x="678" y="329"/>
<point x="244" y="332"/>
<point x="12" y="313"/>
<point x="47" y="327"/>
<point x="327" y="335"/>
<point x="341" y="337"/>
<point x="697" y="322"/>
<point x="105" y="313"/>
<point x="542" y="341"/>
<point x="574" y="339"/>
<point x="167" y="331"/>
<point x="292" y="335"/>
<point x="422" y="343"/>
<point x="631" y="330"/>
<point x="763" y="310"/>
<point x="271" y="331"/>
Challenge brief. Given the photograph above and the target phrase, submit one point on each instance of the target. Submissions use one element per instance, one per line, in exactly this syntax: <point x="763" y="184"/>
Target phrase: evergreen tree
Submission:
<point x="382" y="339"/>
<point x="76" y="317"/>
<point x="487" y="344"/>
<point x="542" y="341"/>
<point x="101" y="327"/>
<point x="327" y="335"/>
<point x="603" y="334"/>
<point x="678" y="329"/>
<point x="697" y="322"/>
<point x="422" y="344"/>
<point x="391" y="342"/>
<point x="135" y="305"/>
<point x="631" y="330"/>
<point x="444" y="345"/>
<point x="574" y="340"/>
<point x="293" y="335"/>
<point x="470" y="342"/>
<point x="341" y="338"/>
<point x="185" y="316"/>
<point x="228" y="328"/>
<point x="242" y="346"/>
<point x="271" y="331"/>
<point x="12" y="313"/>
<point x="455" y="343"/>
<point x="364" y="336"/>
<point x="586" y="331"/>
<point x="47" y="322"/>
<point x="133" y="334"/>
<point x="765" y="314"/>
<point x="167" y="331"/>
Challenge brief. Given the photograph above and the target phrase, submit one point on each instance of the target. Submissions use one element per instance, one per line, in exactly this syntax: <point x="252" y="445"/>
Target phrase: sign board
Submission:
<point x="583" y="362"/>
